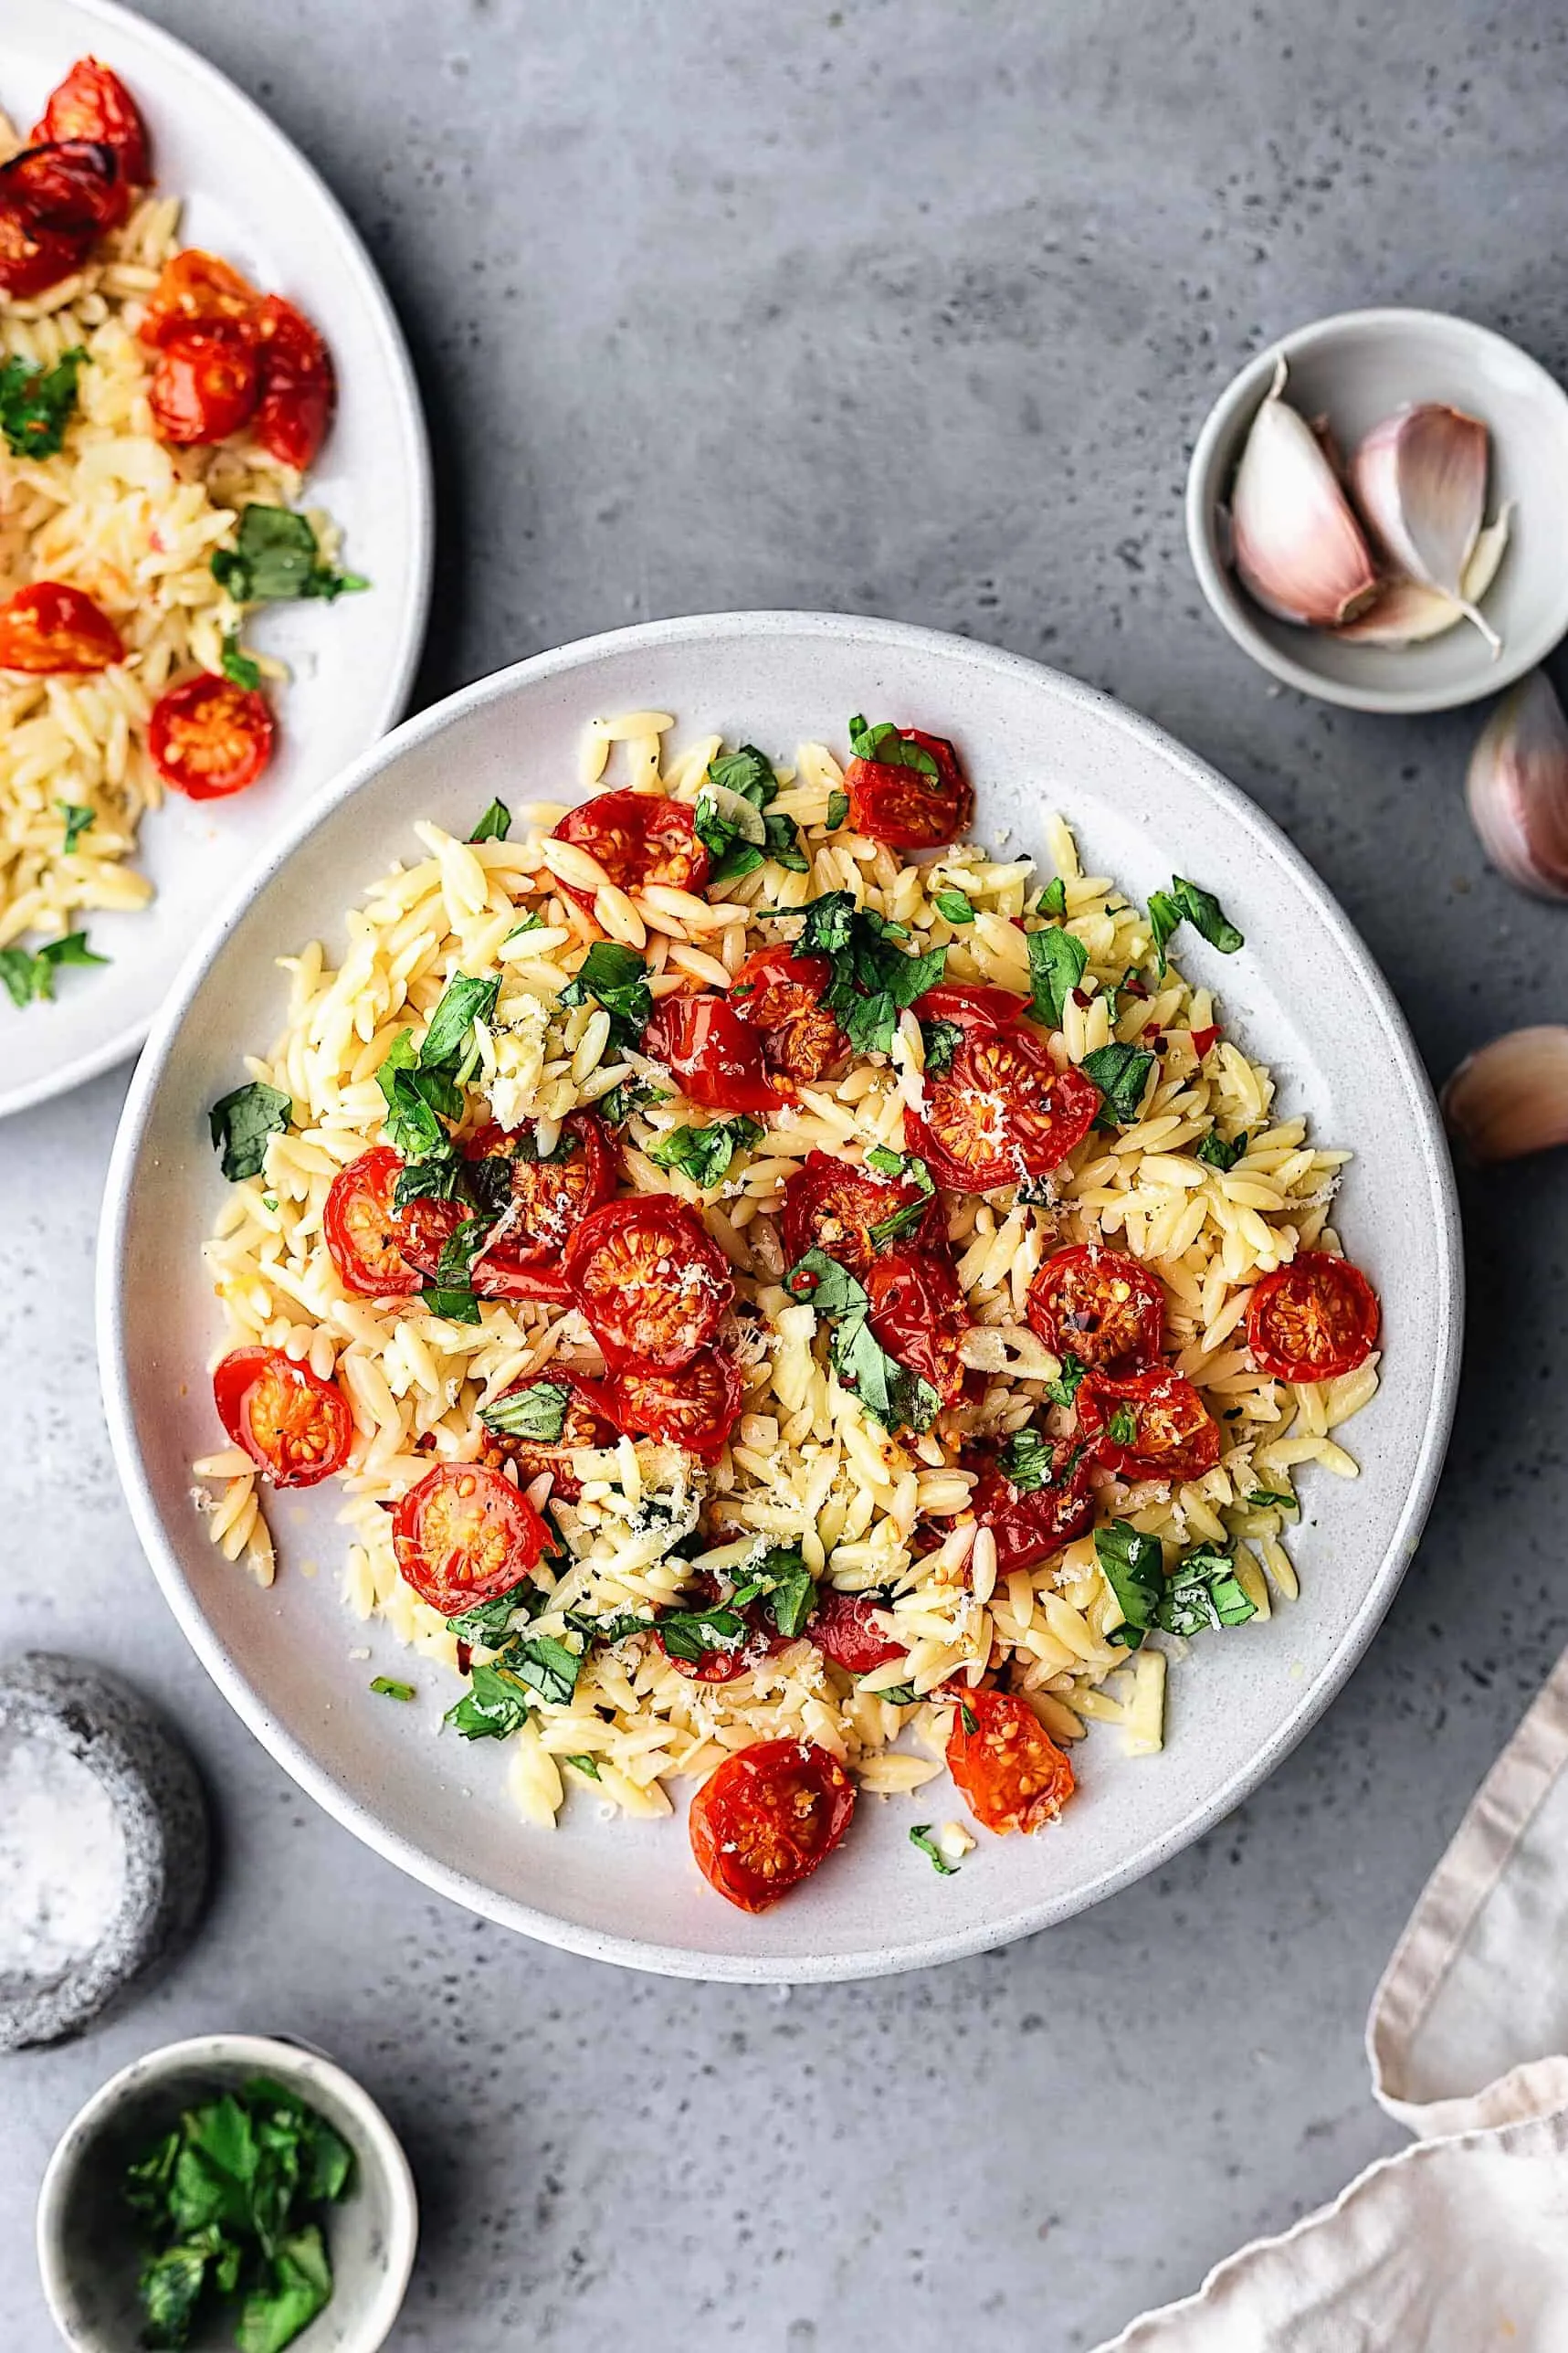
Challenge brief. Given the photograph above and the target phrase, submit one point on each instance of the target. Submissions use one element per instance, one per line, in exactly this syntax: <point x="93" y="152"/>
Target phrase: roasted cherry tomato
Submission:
<point x="779" y="994"/>
<point x="298" y="387"/>
<point x="763" y="1822"/>
<point x="199" y="289"/>
<point x="918" y="1317"/>
<point x="830" y="1205"/>
<point x="463" y="1535"/>
<point x="48" y="629"/>
<point x="716" y="1058"/>
<point x="365" y="1230"/>
<point x="1100" y="1306"/>
<point x="973" y="1009"/>
<point x="204" y="387"/>
<point x="92" y="102"/>
<point x="845" y="1630"/>
<point x="70" y="185"/>
<point x="1010" y="1770"/>
<point x="1001" y="1112"/>
<point x="33" y="255"/>
<point x="1150" y="1426"/>
<point x="1031" y="1525"/>
<point x="696" y="1407"/>
<point x="426" y="1227"/>
<point x="1312" y="1320"/>
<point x="722" y="1665"/>
<point x="209" y="738"/>
<point x="651" y="1284"/>
<point x="585" y="1424"/>
<point x="912" y="808"/>
<point x="636" y="838"/>
<point x="297" y="1426"/>
<point x="548" y="1197"/>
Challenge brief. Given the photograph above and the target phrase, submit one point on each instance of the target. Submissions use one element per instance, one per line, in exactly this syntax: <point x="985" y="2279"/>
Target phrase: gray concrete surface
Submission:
<point x="909" y="309"/>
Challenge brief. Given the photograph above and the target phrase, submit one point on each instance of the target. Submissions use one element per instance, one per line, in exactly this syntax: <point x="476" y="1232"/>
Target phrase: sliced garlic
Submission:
<point x="1293" y="537"/>
<point x="736" y="811"/>
<point x="1511" y="1097"/>
<point x="1406" y="613"/>
<point x="1419" y="480"/>
<point x="1517" y="788"/>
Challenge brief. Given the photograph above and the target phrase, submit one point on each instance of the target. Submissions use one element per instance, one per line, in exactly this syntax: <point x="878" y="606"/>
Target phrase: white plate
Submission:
<point x="252" y="197"/>
<point x="1304" y="994"/>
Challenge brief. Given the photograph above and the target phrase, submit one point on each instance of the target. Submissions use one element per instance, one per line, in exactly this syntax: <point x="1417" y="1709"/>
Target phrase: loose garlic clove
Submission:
<point x="1294" y="541"/>
<point x="1511" y="1097"/>
<point x="1406" y="613"/>
<point x="1419" y="480"/>
<point x="1517" y="787"/>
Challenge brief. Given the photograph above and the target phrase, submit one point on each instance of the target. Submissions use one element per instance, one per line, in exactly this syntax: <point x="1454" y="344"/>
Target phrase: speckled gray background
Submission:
<point x="913" y="308"/>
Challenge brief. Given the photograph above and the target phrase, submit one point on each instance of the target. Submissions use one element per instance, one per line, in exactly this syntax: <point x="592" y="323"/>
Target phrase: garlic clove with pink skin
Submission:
<point x="1517" y="787"/>
<point x="1295" y="542"/>
<point x="1419" y="481"/>
<point x="1511" y="1097"/>
<point x="1406" y="613"/>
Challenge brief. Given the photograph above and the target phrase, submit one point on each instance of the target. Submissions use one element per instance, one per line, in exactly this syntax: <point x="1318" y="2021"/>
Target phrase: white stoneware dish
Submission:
<point x="87" y="2236"/>
<point x="252" y="196"/>
<point x="1356" y="369"/>
<point x="1304" y="994"/>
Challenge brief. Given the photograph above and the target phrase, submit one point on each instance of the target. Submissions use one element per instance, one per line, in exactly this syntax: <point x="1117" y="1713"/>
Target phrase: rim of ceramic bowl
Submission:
<point x="1227" y="601"/>
<point x="297" y="2064"/>
<point x="1233" y="807"/>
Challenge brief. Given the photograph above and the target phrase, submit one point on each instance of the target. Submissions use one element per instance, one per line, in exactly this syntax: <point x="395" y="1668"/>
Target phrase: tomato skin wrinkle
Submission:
<point x="1010" y="1771"/>
<point x="716" y="1057"/>
<point x="463" y="1533"/>
<point x="649" y="1281"/>
<point x="767" y="1818"/>
<point x="1313" y="1320"/>
<point x="1101" y="1305"/>
<point x="638" y="839"/>
<point x="296" y="1425"/>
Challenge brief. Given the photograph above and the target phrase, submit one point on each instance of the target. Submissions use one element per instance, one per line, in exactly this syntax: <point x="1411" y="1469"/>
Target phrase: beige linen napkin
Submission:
<point x="1460" y="2243"/>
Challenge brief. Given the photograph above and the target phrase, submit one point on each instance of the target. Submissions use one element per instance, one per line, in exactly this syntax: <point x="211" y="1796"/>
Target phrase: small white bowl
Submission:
<point x="87" y="2235"/>
<point x="1356" y="369"/>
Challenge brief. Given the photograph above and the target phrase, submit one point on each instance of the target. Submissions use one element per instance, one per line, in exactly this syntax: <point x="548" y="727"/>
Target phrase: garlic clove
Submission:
<point x="1511" y="1097"/>
<point x="1295" y="542"/>
<point x="1419" y="480"/>
<point x="1406" y="613"/>
<point x="1517" y="787"/>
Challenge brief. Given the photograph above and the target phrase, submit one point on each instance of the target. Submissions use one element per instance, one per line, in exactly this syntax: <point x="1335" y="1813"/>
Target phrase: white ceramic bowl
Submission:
<point x="1357" y="369"/>
<point x="253" y="197"/>
<point x="1304" y="993"/>
<point x="87" y="2236"/>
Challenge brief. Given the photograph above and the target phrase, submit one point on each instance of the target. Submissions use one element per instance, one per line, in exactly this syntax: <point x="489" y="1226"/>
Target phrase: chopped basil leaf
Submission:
<point x="413" y="1127"/>
<point x="873" y="977"/>
<point x="454" y="1306"/>
<point x="36" y="404"/>
<point x="275" y="557"/>
<point x="489" y="1622"/>
<point x="545" y="1664"/>
<point x="444" y="1177"/>
<point x="1204" y="1592"/>
<point x="1057" y="963"/>
<point x="884" y="742"/>
<point x="1215" y="1153"/>
<point x="1122" y="1427"/>
<point x="747" y="772"/>
<point x="921" y="1836"/>
<point x="1026" y="1461"/>
<point x="704" y="1153"/>
<point x="1205" y="914"/>
<point x="237" y="665"/>
<point x="890" y="1392"/>
<point x="616" y="978"/>
<point x="240" y="1124"/>
<point x="941" y="1041"/>
<point x="1064" y="1388"/>
<point x="829" y="924"/>
<point x="494" y="1706"/>
<point x="494" y="825"/>
<point x="1133" y="1566"/>
<point x="78" y="820"/>
<point x="531" y="923"/>
<point x="691" y="1634"/>
<point x="913" y="1168"/>
<point x="538" y="1412"/>
<point x="584" y="1765"/>
<point x="790" y="1587"/>
<point x="896" y="1695"/>
<point x="617" y="1627"/>
<point x="1164" y="917"/>
<point x="390" y="1688"/>
<point x="630" y="1095"/>
<point x="1121" y="1073"/>
<point x="1264" y="1499"/>
<point x="1053" y="897"/>
<point x="464" y="1001"/>
<point x="954" y="905"/>
<point x="837" y="810"/>
<point x="455" y="1266"/>
<point x="967" y="1716"/>
<point x="28" y="976"/>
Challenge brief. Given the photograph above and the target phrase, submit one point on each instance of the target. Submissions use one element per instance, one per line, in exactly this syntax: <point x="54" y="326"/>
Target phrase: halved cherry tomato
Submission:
<point x="1004" y="1112"/>
<point x="297" y="1426"/>
<point x="845" y="1630"/>
<point x="92" y="102"/>
<point x="463" y="1535"/>
<point x="33" y="255"/>
<point x="636" y="838"/>
<point x="209" y="738"/>
<point x="586" y="1423"/>
<point x="1010" y="1770"/>
<point x="298" y="387"/>
<point x="720" y="1665"/>
<point x="831" y="1205"/>
<point x="907" y="808"/>
<point x="1313" y="1320"/>
<point x="766" y="1818"/>
<point x="364" y="1229"/>
<point x="696" y="1407"/>
<point x="199" y="289"/>
<point x="548" y="1197"/>
<point x="779" y="994"/>
<point x="651" y="1282"/>
<point x="1150" y="1426"/>
<point x="204" y="387"/>
<point x="1100" y="1306"/>
<point x="1029" y="1526"/>
<point x="48" y="629"/>
<point x="716" y="1057"/>
<point x="426" y="1227"/>
<point x="973" y="1009"/>
<point x="70" y="185"/>
<point x="918" y="1316"/>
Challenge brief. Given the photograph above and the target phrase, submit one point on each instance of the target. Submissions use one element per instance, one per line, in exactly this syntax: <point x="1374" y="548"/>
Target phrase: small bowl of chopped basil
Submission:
<point x="233" y="2190"/>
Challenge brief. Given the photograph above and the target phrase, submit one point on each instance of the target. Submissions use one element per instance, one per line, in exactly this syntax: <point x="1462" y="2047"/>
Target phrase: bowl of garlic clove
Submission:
<point x="1377" y="510"/>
